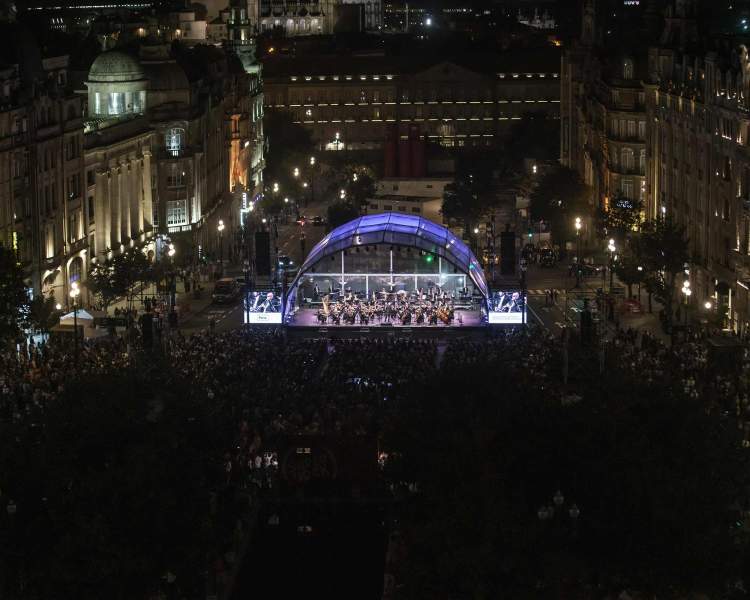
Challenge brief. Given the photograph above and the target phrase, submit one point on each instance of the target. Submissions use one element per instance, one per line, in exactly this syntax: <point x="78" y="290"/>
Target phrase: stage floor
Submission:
<point x="308" y="317"/>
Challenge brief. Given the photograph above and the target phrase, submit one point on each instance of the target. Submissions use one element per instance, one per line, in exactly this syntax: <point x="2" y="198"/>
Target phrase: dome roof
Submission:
<point x="115" y="67"/>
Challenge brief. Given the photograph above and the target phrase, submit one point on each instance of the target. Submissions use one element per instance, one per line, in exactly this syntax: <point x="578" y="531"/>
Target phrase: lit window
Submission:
<point x="174" y="139"/>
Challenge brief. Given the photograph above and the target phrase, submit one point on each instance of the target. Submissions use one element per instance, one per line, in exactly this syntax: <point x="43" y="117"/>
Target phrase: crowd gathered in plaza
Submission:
<point x="275" y="386"/>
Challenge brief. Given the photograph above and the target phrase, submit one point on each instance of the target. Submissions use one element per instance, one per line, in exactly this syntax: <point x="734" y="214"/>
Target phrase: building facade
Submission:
<point x="349" y="103"/>
<point x="684" y="147"/>
<point x="156" y="147"/>
<point x="41" y="165"/>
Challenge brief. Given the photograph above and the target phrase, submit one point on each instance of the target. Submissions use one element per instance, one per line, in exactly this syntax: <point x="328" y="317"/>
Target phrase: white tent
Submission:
<point x="81" y="316"/>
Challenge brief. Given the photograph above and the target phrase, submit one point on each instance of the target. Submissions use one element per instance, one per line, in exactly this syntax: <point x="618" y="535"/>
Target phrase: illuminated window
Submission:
<point x="174" y="139"/>
<point x="177" y="212"/>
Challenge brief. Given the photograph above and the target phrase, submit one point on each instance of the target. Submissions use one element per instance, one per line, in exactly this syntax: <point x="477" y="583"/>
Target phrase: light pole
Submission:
<point x="686" y="292"/>
<point x="220" y="229"/>
<point x="611" y="247"/>
<point x="75" y="291"/>
<point x="312" y="179"/>
<point x="172" y="289"/>
<point x="579" y="225"/>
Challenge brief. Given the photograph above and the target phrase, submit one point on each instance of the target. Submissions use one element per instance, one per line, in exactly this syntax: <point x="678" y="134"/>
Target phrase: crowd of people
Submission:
<point x="272" y="388"/>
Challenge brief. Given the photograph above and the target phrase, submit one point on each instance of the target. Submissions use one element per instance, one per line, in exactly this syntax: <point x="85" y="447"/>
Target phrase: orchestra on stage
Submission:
<point x="395" y="308"/>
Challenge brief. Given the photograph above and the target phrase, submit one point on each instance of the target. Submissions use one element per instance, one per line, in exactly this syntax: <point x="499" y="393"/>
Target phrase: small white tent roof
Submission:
<point x="82" y="315"/>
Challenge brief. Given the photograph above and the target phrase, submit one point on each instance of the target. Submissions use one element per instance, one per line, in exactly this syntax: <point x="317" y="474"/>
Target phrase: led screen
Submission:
<point x="507" y="307"/>
<point x="263" y="307"/>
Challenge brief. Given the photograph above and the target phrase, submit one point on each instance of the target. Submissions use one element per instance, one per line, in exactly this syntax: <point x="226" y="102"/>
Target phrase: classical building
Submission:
<point x="41" y="164"/>
<point x="351" y="102"/>
<point x="603" y="104"/>
<point x="166" y="151"/>
<point x="151" y="145"/>
<point x="688" y="98"/>
<point x="698" y="104"/>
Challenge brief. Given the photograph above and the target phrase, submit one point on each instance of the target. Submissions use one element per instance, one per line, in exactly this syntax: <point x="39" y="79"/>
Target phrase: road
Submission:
<point x="552" y="315"/>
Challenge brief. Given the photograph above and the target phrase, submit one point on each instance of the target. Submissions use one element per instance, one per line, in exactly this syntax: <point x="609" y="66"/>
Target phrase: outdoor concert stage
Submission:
<point x="305" y="324"/>
<point x="396" y="269"/>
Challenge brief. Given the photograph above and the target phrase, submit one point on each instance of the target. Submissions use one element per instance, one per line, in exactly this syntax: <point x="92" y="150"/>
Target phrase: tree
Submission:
<point x="14" y="301"/>
<point x="559" y="198"/>
<point x="341" y="212"/>
<point x="621" y="218"/>
<point x="129" y="269"/>
<point x="664" y="248"/>
<point x="101" y="282"/>
<point x="462" y="203"/>
<point x="42" y="313"/>
<point x="630" y="270"/>
<point x="360" y="187"/>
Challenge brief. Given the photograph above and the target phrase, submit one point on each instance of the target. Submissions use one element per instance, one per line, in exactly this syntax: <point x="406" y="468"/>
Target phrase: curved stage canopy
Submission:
<point x="395" y="229"/>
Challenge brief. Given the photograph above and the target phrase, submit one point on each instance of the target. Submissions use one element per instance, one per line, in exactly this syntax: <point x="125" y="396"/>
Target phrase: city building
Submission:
<point x="41" y="164"/>
<point x="349" y="102"/>
<point x="668" y="124"/>
<point x="154" y="144"/>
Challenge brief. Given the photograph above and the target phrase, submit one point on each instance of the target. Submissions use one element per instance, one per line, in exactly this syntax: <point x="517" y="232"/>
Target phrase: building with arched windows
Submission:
<point x="169" y="138"/>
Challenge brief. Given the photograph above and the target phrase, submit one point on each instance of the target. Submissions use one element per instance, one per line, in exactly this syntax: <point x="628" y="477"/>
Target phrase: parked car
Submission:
<point x="225" y="291"/>
<point x="318" y="220"/>
<point x="547" y="257"/>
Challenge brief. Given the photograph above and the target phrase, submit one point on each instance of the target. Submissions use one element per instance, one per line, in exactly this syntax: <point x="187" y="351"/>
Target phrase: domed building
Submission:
<point x="168" y="143"/>
<point x="116" y="85"/>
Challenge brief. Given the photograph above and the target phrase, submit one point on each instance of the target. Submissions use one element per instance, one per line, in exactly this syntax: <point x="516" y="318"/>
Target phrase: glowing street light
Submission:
<point x="708" y="305"/>
<point x="579" y="224"/>
<point x="296" y="172"/>
<point x="220" y="229"/>
<point x="276" y="187"/>
<point x="312" y="161"/>
<point x="171" y="251"/>
<point x="286" y="200"/>
<point x="75" y="291"/>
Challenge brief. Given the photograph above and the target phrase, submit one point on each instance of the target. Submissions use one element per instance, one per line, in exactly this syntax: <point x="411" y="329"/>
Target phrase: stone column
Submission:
<point x="114" y="189"/>
<point x="147" y="203"/>
<point x="127" y="198"/>
<point x="101" y="214"/>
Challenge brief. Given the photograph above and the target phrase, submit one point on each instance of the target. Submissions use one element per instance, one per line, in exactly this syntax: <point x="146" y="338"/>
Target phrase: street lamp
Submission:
<point x="612" y="248"/>
<point x="708" y="305"/>
<point x="342" y="194"/>
<point x="75" y="291"/>
<point x="172" y="289"/>
<point x="312" y="179"/>
<point x="686" y="292"/>
<point x="276" y="187"/>
<point x="578" y="225"/>
<point x="220" y="228"/>
<point x="296" y="172"/>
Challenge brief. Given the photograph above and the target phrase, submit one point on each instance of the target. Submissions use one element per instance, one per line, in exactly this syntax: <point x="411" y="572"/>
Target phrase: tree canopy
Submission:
<point x="14" y="301"/>
<point x="559" y="198"/>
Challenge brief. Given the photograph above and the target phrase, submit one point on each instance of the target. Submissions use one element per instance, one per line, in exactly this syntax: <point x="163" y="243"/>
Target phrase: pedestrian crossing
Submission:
<point x="540" y="292"/>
